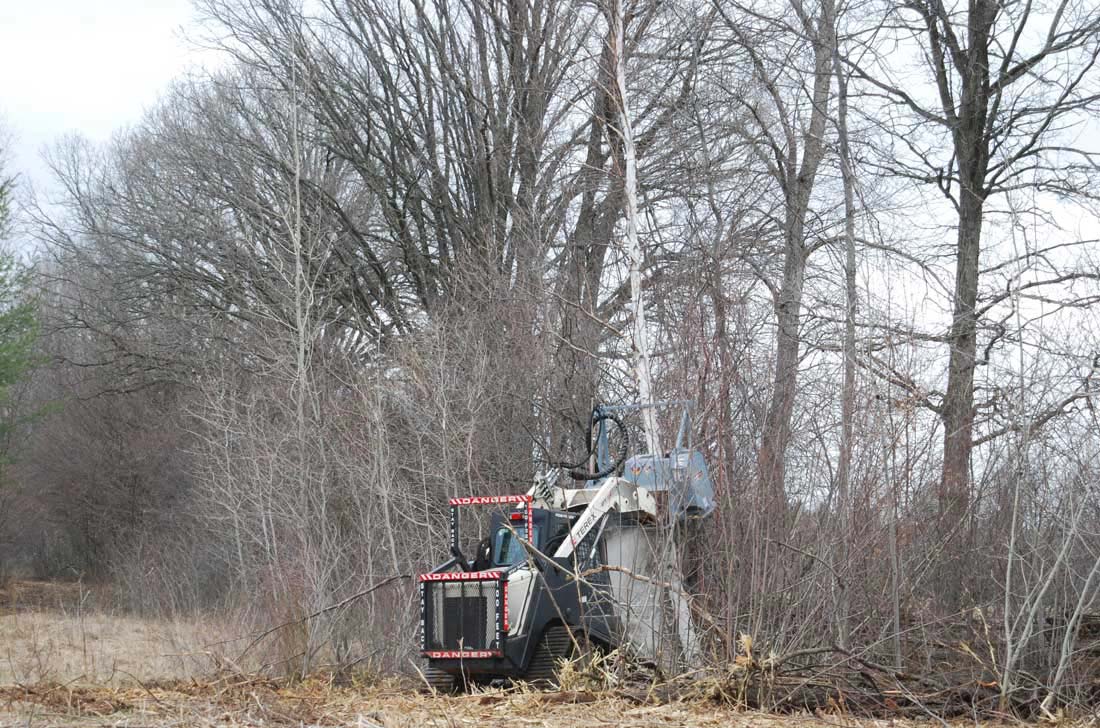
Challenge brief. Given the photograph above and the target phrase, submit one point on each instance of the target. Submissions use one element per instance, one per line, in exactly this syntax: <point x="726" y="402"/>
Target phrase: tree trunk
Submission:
<point x="777" y="424"/>
<point x="576" y="366"/>
<point x="798" y="183"/>
<point x="848" y="388"/>
<point x="958" y="404"/>
<point x="971" y="141"/>
<point x="634" y="253"/>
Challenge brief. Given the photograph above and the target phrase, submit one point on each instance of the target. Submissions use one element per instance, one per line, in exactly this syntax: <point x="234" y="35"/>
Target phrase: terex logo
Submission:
<point x="461" y="576"/>
<point x="586" y="525"/>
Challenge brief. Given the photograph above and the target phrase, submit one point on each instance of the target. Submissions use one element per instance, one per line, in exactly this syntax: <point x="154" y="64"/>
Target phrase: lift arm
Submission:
<point x="615" y="494"/>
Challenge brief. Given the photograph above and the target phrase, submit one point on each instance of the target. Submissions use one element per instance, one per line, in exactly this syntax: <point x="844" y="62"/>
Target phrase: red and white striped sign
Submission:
<point x="460" y="654"/>
<point x="489" y="500"/>
<point x="462" y="576"/>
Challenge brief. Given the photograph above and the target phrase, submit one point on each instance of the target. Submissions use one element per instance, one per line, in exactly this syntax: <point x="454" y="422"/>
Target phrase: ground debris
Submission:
<point x="235" y="702"/>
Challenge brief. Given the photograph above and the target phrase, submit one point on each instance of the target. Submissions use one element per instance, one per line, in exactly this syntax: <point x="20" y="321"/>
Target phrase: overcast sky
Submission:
<point x="84" y="66"/>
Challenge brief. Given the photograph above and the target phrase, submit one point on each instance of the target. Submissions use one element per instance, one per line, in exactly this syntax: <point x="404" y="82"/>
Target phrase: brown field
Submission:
<point x="65" y="664"/>
<point x="53" y="633"/>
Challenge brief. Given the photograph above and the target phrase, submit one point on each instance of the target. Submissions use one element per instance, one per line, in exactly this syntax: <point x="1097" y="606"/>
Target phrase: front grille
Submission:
<point x="462" y="615"/>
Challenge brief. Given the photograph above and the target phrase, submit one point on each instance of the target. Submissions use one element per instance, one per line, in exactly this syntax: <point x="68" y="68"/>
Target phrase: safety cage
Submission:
<point x="463" y="614"/>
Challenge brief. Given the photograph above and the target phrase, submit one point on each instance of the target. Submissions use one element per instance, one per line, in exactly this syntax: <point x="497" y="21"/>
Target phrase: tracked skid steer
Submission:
<point x="557" y="571"/>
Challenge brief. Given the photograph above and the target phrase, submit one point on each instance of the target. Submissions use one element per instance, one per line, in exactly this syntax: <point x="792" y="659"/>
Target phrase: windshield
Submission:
<point x="507" y="550"/>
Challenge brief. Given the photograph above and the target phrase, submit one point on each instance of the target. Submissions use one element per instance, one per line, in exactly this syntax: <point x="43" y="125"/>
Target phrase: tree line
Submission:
<point x="376" y="260"/>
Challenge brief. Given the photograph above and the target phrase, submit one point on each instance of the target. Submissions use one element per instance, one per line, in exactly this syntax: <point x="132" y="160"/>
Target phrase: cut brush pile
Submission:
<point x="829" y="680"/>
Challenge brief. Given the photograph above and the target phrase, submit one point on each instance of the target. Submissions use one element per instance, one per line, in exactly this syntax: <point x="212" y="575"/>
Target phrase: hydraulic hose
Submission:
<point x="578" y="471"/>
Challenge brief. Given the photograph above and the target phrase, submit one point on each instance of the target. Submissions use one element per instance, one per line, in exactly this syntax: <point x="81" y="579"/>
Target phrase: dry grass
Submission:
<point x="46" y="646"/>
<point x="64" y="664"/>
<point x="23" y="595"/>
<point x="233" y="703"/>
<point x="51" y="633"/>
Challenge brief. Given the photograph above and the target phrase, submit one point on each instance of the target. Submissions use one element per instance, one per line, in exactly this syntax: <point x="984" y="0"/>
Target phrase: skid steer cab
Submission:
<point x="511" y="609"/>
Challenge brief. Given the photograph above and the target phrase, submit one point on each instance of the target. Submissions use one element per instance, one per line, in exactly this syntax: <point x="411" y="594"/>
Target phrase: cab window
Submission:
<point x="507" y="550"/>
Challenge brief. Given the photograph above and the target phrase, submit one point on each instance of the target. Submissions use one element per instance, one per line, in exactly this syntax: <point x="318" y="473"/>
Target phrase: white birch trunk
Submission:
<point x="677" y="639"/>
<point x="640" y="337"/>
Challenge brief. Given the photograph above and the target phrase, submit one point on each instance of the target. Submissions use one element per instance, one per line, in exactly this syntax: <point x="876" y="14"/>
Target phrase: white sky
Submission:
<point x="83" y="66"/>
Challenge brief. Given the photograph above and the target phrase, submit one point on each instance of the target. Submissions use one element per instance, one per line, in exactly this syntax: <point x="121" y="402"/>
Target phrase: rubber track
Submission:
<point x="438" y="680"/>
<point x="555" y="646"/>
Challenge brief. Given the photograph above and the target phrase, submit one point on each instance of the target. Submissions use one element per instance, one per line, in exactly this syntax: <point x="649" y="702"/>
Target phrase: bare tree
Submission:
<point x="789" y="133"/>
<point x="1010" y="82"/>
